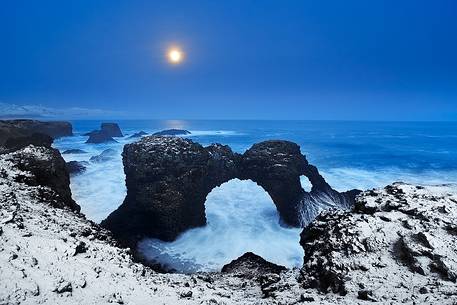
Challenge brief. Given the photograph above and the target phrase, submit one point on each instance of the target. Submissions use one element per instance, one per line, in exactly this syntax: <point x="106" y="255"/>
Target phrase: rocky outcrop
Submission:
<point x="76" y="167"/>
<point x="105" y="134"/>
<point x="23" y="128"/>
<point x="397" y="241"/>
<point x="97" y="137"/>
<point x="168" y="179"/>
<point x="74" y="151"/>
<point x="277" y="167"/>
<point x="36" y="139"/>
<point x="250" y="265"/>
<point x="104" y="156"/>
<point x="111" y="129"/>
<point x="138" y="135"/>
<point x="41" y="167"/>
<point x="172" y="132"/>
<point x="90" y="132"/>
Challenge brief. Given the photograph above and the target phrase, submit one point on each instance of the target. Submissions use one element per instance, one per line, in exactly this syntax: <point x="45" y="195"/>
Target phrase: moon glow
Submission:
<point x="175" y="56"/>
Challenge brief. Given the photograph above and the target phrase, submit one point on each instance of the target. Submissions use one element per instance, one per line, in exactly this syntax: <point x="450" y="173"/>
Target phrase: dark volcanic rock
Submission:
<point x="277" y="166"/>
<point x="21" y="128"/>
<point x="171" y="132"/>
<point x="106" y="155"/>
<point x="105" y="134"/>
<point x="36" y="139"/>
<point x="138" y="135"/>
<point x="111" y="129"/>
<point x="74" y="151"/>
<point x="76" y="167"/>
<point x="168" y="179"/>
<point x="97" y="137"/>
<point x="250" y="265"/>
<point x="47" y="168"/>
<point x="90" y="132"/>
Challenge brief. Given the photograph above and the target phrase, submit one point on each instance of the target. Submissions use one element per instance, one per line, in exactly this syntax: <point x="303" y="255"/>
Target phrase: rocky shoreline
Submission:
<point x="397" y="245"/>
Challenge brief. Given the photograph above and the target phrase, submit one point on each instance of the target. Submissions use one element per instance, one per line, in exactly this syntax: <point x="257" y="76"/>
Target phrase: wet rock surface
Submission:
<point x="76" y="167"/>
<point x="104" y="156"/>
<point x="74" y="151"/>
<point x="168" y="179"/>
<point x="98" y="136"/>
<point x="277" y="167"/>
<point x="138" y="135"/>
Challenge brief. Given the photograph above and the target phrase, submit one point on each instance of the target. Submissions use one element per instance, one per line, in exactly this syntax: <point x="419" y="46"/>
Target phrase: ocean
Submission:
<point x="241" y="216"/>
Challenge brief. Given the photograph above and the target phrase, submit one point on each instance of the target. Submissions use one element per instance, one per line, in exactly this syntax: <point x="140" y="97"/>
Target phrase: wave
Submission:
<point x="197" y="133"/>
<point x="346" y="178"/>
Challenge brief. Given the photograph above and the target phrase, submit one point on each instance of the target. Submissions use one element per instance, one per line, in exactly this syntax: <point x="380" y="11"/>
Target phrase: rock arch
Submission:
<point x="168" y="179"/>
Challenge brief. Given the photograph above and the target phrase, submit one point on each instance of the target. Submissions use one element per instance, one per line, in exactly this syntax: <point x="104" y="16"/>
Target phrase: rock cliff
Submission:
<point x="38" y="166"/>
<point x="23" y="128"/>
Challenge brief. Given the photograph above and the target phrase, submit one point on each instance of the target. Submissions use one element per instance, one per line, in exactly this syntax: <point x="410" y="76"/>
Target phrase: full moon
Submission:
<point x="175" y="55"/>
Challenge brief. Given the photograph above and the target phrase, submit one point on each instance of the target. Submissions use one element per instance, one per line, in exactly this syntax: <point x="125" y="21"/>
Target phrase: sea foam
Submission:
<point x="241" y="217"/>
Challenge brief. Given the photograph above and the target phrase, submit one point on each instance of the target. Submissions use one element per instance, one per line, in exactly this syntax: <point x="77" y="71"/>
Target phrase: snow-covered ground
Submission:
<point x="397" y="247"/>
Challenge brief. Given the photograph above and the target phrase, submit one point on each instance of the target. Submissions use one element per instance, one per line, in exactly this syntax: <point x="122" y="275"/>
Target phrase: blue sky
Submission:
<point x="375" y="60"/>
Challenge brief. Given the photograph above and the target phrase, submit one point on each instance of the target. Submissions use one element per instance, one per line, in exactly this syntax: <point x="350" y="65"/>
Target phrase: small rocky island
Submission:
<point x="107" y="132"/>
<point x="172" y="132"/>
<point x="394" y="245"/>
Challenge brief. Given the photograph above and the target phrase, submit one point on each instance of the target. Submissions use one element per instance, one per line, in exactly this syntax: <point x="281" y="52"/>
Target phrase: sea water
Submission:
<point x="241" y="216"/>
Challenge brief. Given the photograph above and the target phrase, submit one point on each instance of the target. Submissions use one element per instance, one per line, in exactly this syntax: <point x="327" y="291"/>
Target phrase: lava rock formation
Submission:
<point x="168" y="179"/>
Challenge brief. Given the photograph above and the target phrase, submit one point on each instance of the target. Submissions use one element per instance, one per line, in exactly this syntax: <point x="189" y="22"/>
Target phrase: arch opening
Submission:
<point x="305" y="183"/>
<point x="241" y="217"/>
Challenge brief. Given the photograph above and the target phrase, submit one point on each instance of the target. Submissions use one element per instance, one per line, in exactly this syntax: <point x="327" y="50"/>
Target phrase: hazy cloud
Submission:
<point x="38" y="111"/>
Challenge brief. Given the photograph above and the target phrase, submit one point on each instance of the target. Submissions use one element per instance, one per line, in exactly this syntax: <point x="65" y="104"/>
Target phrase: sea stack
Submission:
<point x="97" y="137"/>
<point x="111" y="129"/>
<point x="105" y="134"/>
